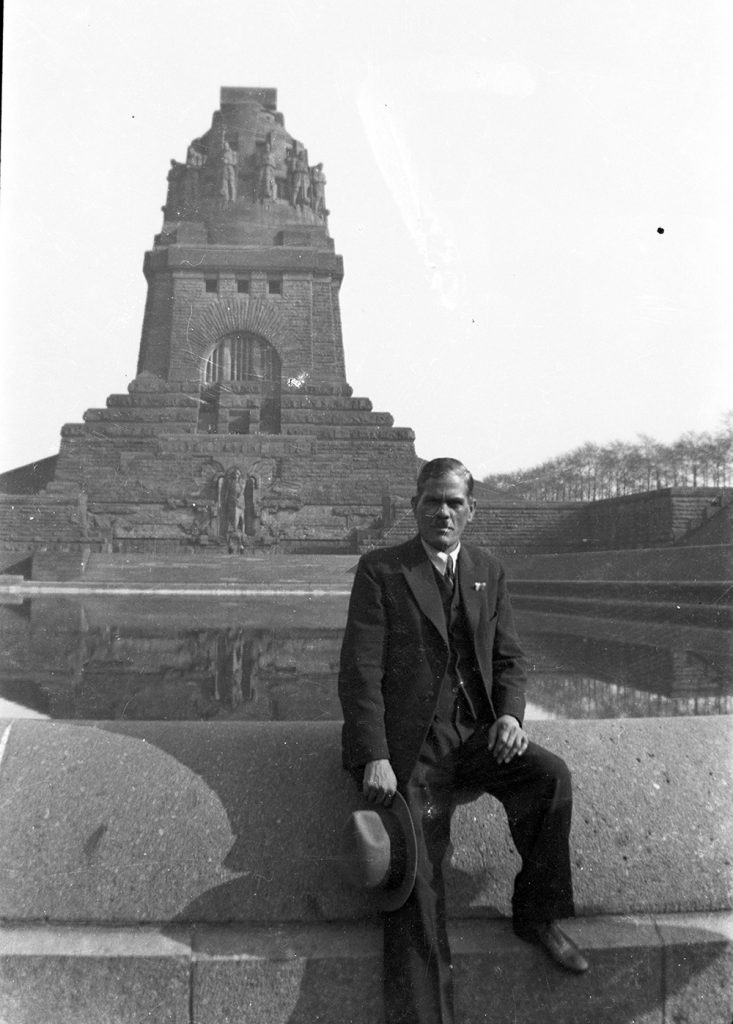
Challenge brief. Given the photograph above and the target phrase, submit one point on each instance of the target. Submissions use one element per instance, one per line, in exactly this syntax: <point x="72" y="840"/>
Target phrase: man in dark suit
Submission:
<point x="432" y="690"/>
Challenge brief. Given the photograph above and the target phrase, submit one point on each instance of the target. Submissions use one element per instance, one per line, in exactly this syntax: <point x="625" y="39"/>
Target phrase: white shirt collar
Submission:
<point x="440" y="558"/>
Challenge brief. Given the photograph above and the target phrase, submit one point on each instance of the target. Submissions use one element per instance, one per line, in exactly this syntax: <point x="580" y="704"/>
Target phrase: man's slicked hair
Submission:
<point x="436" y="469"/>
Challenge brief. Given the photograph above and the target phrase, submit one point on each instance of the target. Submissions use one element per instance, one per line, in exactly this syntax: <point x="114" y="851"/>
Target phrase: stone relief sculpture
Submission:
<point x="228" y="188"/>
<point x="230" y="500"/>
<point x="195" y="160"/>
<point x="212" y="167"/>
<point x="175" y="181"/>
<point x="318" y="191"/>
<point x="299" y="178"/>
<point x="267" y="186"/>
<point x="251" y="484"/>
<point x="237" y="514"/>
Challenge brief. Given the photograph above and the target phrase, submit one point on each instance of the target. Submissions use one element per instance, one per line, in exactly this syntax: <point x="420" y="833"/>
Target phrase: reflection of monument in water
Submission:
<point x="605" y="669"/>
<point x="72" y="659"/>
<point x="240" y="427"/>
<point x="56" y="662"/>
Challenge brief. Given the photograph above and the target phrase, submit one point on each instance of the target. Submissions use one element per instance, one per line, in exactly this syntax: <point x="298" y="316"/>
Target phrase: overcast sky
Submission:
<point x="497" y="175"/>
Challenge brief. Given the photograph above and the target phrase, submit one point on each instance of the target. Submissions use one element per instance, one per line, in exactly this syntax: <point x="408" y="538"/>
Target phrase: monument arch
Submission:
<point x="242" y="356"/>
<point x="240" y="386"/>
<point x="236" y="313"/>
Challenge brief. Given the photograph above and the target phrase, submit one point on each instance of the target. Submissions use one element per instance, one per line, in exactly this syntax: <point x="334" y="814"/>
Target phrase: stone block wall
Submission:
<point x="715" y="527"/>
<point x="648" y="520"/>
<point x="154" y="355"/>
<point x="707" y="562"/>
<point x="507" y="528"/>
<point x="40" y="522"/>
<point x="29" y="479"/>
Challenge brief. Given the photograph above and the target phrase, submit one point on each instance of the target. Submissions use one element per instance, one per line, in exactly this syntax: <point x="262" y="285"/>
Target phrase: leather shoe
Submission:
<point x="560" y="947"/>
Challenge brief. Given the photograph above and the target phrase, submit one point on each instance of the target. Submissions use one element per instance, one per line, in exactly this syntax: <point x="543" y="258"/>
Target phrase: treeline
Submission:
<point x="593" y="471"/>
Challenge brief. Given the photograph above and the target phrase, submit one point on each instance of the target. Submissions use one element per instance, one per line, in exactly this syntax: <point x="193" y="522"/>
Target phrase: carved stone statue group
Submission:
<point x="306" y="184"/>
<point x="221" y="174"/>
<point x="228" y="188"/>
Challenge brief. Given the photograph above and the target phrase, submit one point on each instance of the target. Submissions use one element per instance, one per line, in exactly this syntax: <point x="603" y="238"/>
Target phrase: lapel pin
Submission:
<point x="479" y="586"/>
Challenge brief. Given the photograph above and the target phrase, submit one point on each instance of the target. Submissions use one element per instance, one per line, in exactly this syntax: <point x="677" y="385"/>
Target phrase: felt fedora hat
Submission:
<point x="380" y="852"/>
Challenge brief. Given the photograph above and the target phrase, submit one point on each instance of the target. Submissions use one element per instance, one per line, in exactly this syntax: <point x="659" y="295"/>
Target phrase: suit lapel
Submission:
<point x="467" y="576"/>
<point x="421" y="581"/>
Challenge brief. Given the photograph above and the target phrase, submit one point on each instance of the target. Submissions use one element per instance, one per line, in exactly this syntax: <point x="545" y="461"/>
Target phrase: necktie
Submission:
<point x="450" y="576"/>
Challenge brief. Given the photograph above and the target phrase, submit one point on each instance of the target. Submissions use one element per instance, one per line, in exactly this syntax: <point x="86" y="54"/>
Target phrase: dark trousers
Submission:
<point x="536" y="793"/>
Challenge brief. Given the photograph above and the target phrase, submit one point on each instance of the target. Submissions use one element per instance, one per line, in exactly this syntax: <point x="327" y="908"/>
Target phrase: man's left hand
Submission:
<point x="507" y="739"/>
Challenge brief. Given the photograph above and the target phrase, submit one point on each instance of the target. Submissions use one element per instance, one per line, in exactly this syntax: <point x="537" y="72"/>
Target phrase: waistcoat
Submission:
<point x="462" y="687"/>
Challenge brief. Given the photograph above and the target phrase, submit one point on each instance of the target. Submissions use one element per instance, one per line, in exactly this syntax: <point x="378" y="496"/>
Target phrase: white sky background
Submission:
<point x="497" y="172"/>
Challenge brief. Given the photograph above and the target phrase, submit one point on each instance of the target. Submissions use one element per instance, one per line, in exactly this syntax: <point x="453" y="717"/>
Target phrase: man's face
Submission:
<point x="442" y="511"/>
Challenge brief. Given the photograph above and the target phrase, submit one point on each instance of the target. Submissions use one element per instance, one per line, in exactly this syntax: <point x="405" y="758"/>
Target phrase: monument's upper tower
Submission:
<point x="243" y="279"/>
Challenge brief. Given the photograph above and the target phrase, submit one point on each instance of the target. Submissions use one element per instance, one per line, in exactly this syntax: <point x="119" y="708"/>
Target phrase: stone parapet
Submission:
<point x="190" y="872"/>
<point x="704" y="562"/>
<point x="259" y="258"/>
<point x="200" y="822"/>
<point x="29" y="521"/>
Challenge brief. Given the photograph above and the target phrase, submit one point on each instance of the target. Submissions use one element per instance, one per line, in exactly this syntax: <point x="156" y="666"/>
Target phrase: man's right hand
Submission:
<point x="380" y="782"/>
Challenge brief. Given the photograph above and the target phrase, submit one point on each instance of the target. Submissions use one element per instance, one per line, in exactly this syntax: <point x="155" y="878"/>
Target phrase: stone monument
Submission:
<point x="240" y="382"/>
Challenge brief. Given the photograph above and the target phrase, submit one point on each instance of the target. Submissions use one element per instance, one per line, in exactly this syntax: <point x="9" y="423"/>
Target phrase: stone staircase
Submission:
<point x="714" y="525"/>
<point x="502" y="527"/>
<point x="141" y="474"/>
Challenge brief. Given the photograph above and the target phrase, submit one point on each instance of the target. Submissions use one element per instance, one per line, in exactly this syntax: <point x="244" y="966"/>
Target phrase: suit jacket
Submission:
<point x="395" y="650"/>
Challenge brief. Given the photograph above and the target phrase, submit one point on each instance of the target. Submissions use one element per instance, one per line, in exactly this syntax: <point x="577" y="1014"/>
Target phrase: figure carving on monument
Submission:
<point x="175" y="181"/>
<point x="250" y="506"/>
<point x="231" y="489"/>
<point x="228" y="188"/>
<point x="267" y="186"/>
<point x="299" y="178"/>
<point x="195" y="161"/>
<point x="318" y="191"/>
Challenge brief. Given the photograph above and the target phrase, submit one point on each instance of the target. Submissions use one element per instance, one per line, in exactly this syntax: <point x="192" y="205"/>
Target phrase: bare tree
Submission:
<point x="592" y="471"/>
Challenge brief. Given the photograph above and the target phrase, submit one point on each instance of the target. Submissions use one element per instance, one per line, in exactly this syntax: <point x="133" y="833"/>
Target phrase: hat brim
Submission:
<point x="394" y="898"/>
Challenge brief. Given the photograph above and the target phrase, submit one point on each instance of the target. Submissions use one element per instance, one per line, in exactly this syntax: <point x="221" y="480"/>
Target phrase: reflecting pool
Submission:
<point x="233" y="658"/>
